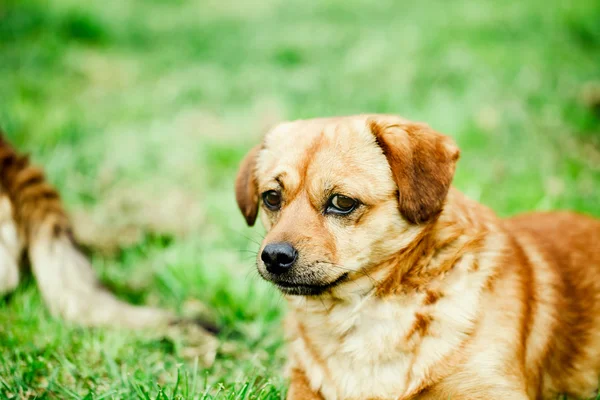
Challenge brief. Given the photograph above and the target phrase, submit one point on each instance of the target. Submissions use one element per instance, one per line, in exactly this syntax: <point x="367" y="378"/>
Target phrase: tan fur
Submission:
<point x="428" y="294"/>
<point x="32" y="219"/>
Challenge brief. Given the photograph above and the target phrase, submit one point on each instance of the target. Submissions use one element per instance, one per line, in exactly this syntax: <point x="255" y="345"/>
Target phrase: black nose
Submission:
<point x="278" y="257"/>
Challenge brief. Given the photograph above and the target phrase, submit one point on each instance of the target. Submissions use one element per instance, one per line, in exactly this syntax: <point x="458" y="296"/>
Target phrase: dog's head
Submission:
<point x="341" y="195"/>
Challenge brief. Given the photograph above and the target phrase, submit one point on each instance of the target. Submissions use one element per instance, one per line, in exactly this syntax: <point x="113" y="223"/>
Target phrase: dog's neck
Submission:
<point x="459" y="230"/>
<point x="411" y="313"/>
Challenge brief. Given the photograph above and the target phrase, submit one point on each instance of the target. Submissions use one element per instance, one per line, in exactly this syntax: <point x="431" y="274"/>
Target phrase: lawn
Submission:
<point x="141" y="110"/>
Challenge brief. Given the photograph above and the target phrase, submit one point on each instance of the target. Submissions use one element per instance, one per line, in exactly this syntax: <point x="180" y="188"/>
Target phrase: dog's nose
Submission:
<point x="278" y="257"/>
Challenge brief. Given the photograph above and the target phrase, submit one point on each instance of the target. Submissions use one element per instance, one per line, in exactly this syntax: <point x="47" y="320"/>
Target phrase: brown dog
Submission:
<point x="399" y="287"/>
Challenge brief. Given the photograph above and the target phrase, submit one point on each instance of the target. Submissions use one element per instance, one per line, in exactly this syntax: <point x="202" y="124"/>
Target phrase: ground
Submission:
<point x="141" y="110"/>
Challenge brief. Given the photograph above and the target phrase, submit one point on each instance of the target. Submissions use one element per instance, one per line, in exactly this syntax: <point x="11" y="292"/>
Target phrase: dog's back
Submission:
<point x="565" y="287"/>
<point x="572" y="238"/>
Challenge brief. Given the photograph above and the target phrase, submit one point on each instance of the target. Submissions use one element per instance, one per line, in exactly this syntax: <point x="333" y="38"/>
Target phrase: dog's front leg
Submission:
<point x="300" y="388"/>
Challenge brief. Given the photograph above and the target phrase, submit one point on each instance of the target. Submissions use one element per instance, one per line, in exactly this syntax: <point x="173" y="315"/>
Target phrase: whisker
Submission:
<point x="248" y="237"/>
<point x="251" y="273"/>
<point x="248" y="251"/>
<point x="324" y="306"/>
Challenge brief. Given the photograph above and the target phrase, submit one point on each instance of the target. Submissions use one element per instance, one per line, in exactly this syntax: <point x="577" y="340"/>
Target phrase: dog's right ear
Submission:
<point x="246" y="190"/>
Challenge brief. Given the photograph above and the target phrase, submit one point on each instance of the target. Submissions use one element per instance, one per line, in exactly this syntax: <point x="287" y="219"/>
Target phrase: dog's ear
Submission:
<point x="246" y="187"/>
<point x="422" y="162"/>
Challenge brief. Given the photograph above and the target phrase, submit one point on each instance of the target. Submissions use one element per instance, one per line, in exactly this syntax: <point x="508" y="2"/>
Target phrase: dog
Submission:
<point x="400" y="287"/>
<point x="33" y="221"/>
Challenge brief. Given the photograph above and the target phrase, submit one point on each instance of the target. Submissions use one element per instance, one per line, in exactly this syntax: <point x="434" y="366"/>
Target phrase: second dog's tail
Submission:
<point x="64" y="275"/>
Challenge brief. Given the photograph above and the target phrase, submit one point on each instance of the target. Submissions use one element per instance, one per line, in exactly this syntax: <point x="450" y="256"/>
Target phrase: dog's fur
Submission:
<point x="32" y="220"/>
<point x="420" y="293"/>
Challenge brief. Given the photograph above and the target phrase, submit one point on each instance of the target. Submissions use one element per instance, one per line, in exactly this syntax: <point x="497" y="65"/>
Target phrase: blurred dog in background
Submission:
<point x="32" y="220"/>
<point x="399" y="287"/>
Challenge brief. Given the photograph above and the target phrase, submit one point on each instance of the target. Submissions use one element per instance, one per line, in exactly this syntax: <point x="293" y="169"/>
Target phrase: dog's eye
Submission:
<point x="339" y="204"/>
<point x="272" y="200"/>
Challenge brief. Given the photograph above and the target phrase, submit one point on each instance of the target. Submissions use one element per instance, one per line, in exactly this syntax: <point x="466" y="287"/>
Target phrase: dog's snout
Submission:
<point x="279" y="257"/>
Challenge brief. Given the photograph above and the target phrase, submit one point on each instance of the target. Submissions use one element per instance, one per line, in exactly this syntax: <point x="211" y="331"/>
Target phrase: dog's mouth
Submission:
<point x="302" y="289"/>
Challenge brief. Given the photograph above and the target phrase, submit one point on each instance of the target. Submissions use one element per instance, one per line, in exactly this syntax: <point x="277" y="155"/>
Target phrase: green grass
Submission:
<point x="160" y="98"/>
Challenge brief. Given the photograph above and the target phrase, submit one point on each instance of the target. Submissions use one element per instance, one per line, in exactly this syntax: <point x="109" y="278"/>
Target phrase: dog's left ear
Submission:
<point x="422" y="162"/>
<point x="246" y="187"/>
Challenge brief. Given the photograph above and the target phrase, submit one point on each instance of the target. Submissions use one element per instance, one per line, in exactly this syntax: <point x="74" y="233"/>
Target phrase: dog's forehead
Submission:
<point x="305" y="135"/>
<point x="324" y="152"/>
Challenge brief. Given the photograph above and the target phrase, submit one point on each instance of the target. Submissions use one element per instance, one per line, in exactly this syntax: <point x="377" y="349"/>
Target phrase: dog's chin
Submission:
<point x="305" y="289"/>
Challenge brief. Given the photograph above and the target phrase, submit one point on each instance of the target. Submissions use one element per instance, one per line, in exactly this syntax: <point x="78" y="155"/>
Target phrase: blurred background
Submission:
<point x="141" y="110"/>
